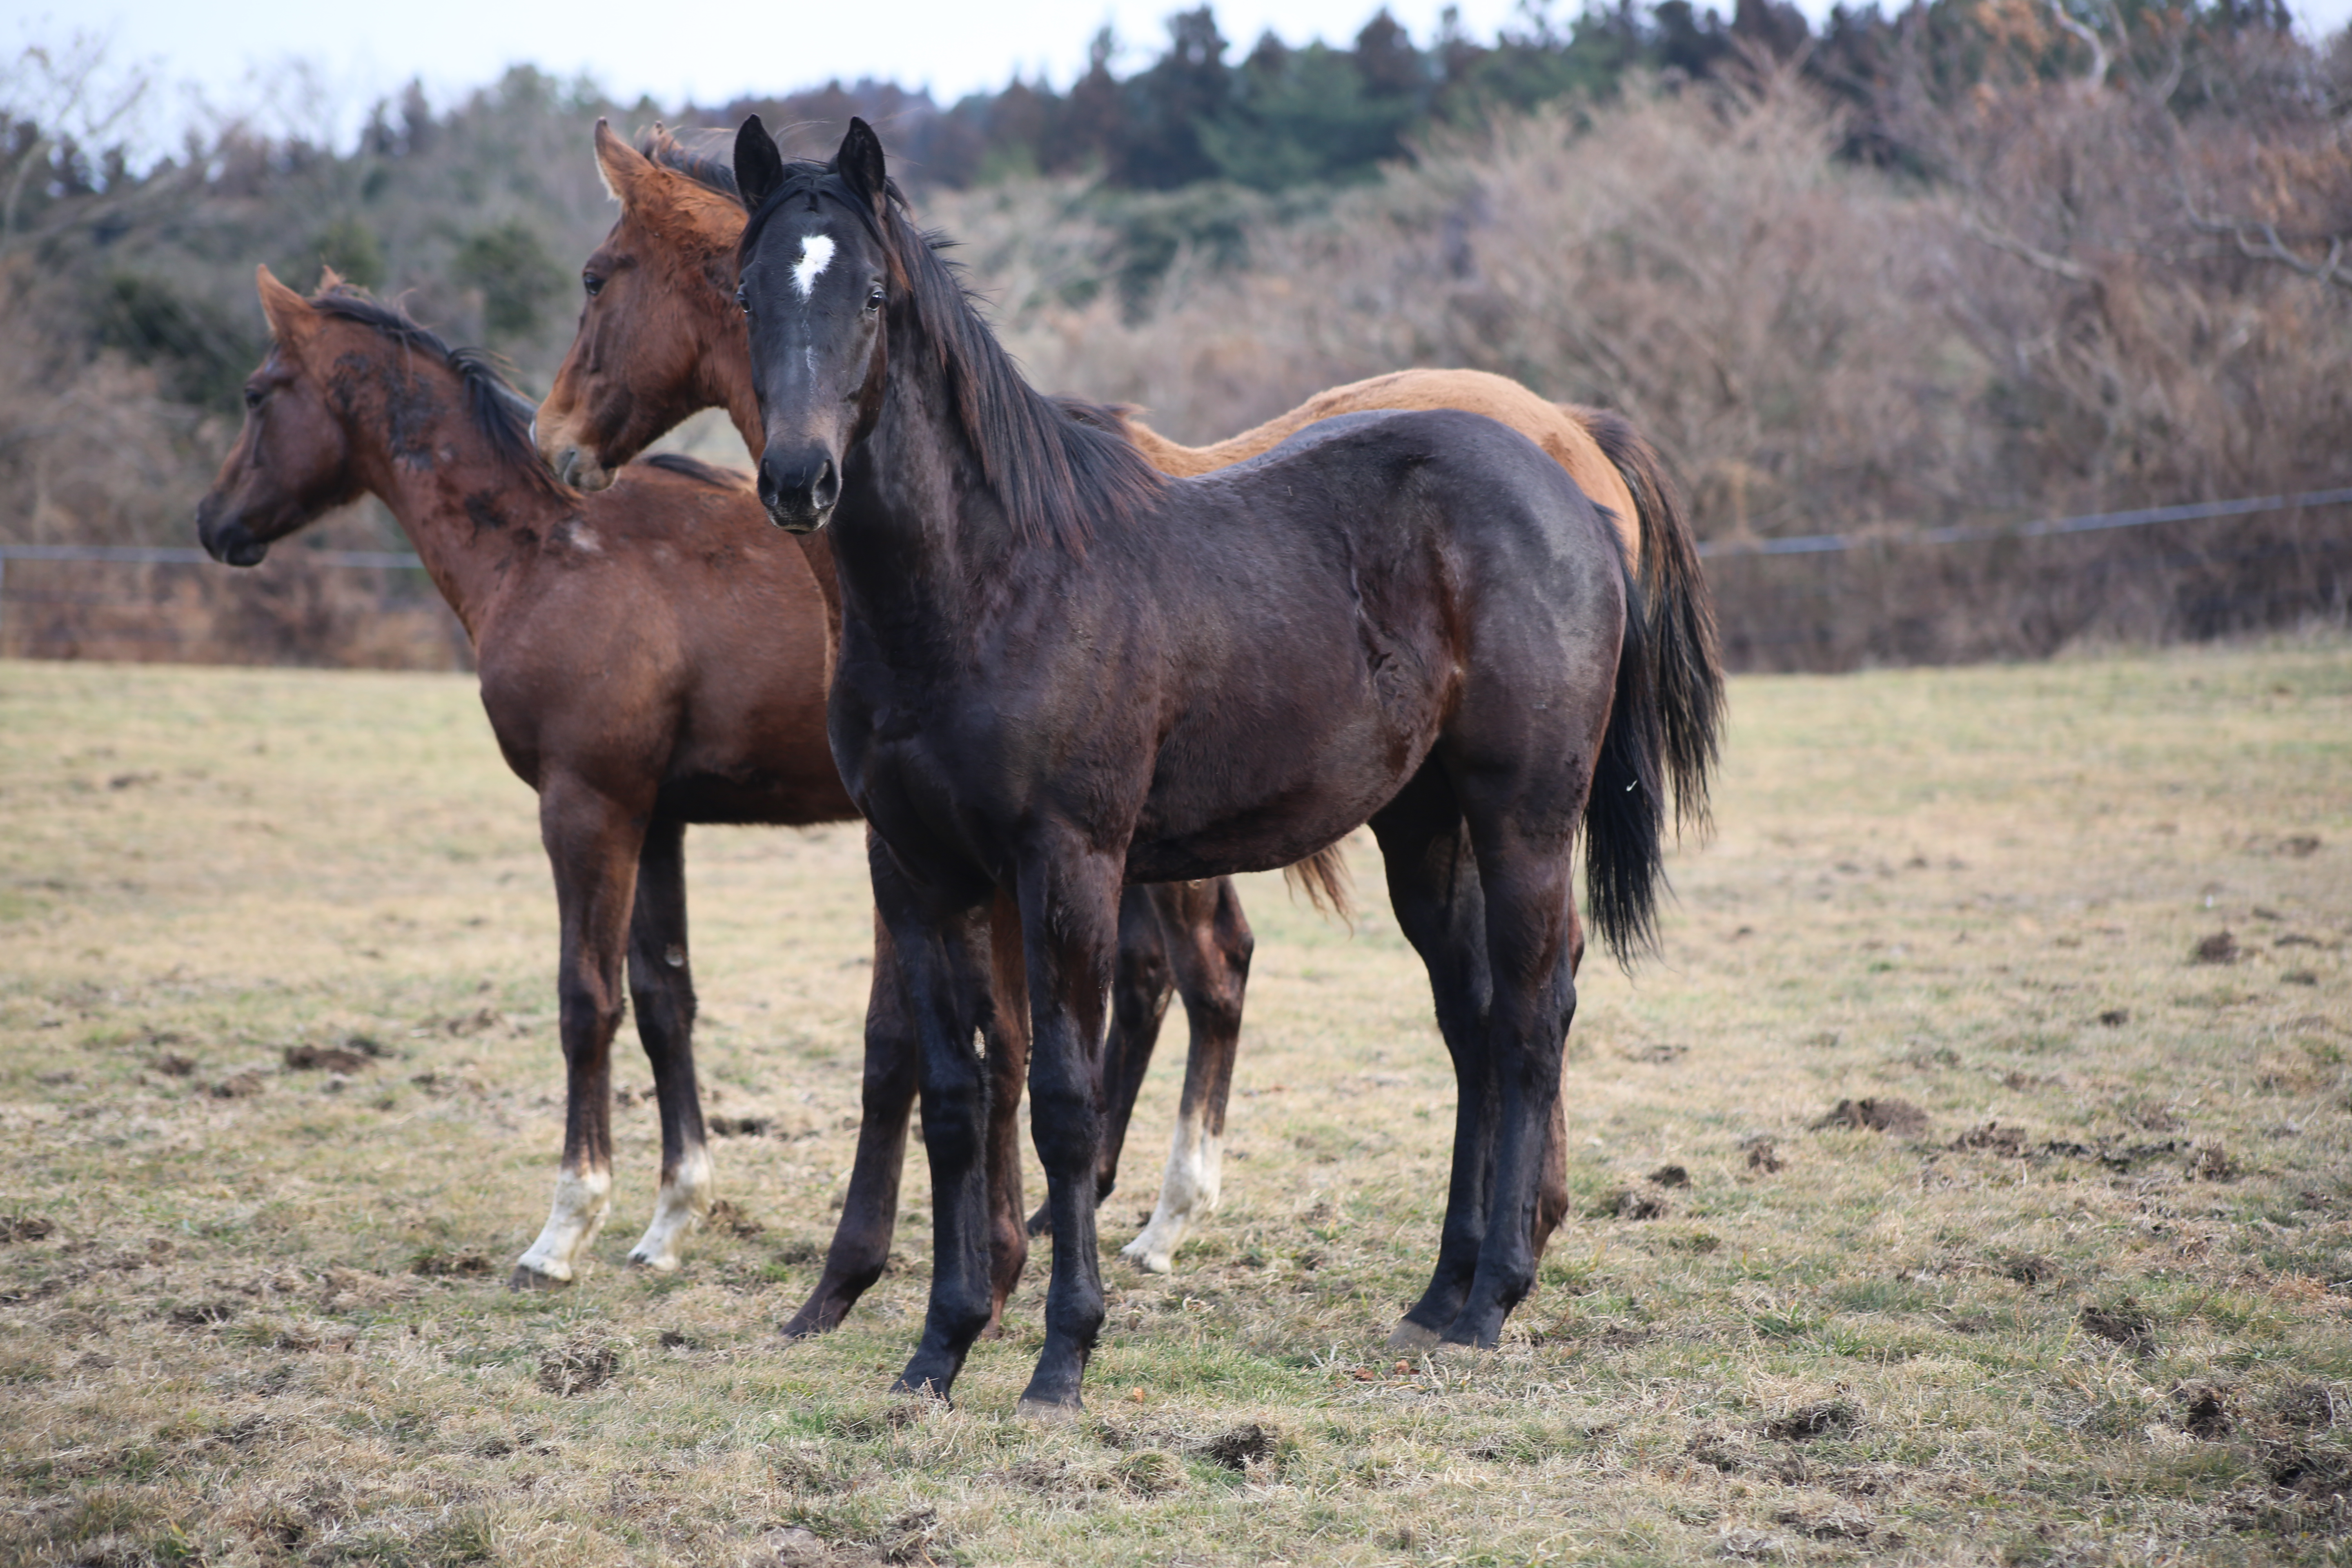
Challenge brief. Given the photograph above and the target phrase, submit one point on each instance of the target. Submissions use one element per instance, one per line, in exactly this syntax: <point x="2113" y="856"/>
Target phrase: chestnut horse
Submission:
<point x="651" y="656"/>
<point x="1060" y="671"/>
<point x="658" y="340"/>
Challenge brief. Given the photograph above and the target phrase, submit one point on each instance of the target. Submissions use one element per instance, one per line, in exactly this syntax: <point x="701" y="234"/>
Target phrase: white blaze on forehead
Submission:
<point x="816" y="254"/>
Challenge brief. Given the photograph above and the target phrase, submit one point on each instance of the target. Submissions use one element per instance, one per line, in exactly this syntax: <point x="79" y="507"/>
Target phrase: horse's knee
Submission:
<point x="581" y="1002"/>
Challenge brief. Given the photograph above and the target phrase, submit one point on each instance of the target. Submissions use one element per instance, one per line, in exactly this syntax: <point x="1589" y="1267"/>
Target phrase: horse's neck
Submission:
<point x="465" y="514"/>
<point x="918" y="536"/>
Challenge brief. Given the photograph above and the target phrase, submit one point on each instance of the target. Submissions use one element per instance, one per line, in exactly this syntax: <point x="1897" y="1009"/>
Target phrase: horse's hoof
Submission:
<point x="926" y="1391"/>
<point x="1042" y="1221"/>
<point x="1046" y="1413"/>
<point x="1144" y="1258"/>
<point x="526" y="1277"/>
<point x="665" y="1264"/>
<point x="1411" y="1336"/>
<point x="806" y="1324"/>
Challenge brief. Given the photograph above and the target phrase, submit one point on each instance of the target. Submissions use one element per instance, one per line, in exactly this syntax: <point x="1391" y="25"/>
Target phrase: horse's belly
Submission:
<point x="1226" y="801"/>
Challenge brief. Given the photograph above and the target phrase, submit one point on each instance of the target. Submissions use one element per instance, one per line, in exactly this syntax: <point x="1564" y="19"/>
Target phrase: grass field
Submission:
<point x="2084" y="1297"/>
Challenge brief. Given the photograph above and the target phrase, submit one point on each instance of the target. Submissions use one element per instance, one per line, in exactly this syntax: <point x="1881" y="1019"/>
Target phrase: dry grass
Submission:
<point x="2092" y="1307"/>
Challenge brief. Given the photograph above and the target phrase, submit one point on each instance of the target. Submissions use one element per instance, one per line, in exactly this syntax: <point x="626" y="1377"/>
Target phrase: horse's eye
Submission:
<point x="742" y="301"/>
<point x="876" y="300"/>
<point x="593" y="284"/>
<point x="253" y="396"/>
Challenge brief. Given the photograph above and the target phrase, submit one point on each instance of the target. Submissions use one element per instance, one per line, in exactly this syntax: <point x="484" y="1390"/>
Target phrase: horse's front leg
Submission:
<point x="1069" y="930"/>
<point x="592" y="842"/>
<point x="943" y="962"/>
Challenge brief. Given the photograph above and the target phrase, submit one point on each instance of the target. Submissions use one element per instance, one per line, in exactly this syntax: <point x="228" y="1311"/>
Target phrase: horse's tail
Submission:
<point x="1686" y="664"/>
<point x="1625" y="816"/>
<point x="1323" y="877"/>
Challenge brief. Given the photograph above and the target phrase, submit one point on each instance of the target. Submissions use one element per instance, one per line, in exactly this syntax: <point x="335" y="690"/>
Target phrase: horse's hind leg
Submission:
<point x="869" y="1210"/>
<point x="1004" y="1040"/>
<point x="1522" y="840"/>
<point x="1140" y="984"/>
<point x="1210" y="943"/>
<point x="592" y="842"/>
<point x="1434" y="886"/>
<point x="661" y="988"/>
<point x="1551" y="1191"/>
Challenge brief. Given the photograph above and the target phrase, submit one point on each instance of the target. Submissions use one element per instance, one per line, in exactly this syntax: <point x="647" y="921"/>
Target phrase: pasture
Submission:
<point x="2069" y="1282"/>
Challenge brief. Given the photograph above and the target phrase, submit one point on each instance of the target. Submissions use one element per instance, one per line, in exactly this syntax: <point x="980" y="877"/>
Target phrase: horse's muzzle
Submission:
<point x="231" y="543"/>
<point x="575" y="468"/>
<point x="799" y="492"/>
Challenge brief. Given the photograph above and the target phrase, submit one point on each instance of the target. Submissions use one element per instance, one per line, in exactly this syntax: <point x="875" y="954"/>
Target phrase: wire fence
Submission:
<point x="1830" y="601"/>
<point x="356" y="608"/>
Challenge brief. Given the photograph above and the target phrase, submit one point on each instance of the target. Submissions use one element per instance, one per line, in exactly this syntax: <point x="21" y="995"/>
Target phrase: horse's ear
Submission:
<point x="329" y="279"/>
<point x="859" y="164"/>
<point x="621" y="165"/>
<point x="292" y="319"/>
<point x="759" y="167"/>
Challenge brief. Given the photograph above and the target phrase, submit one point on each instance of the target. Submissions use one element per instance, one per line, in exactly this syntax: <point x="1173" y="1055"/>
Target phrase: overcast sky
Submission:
<point x="360" y="53"/>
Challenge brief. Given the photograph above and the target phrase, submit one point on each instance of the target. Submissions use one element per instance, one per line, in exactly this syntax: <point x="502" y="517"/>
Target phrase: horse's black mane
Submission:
<point x="1054" y="467"/>
<point x="703" y="167"/>
<point x="501" y="413"/>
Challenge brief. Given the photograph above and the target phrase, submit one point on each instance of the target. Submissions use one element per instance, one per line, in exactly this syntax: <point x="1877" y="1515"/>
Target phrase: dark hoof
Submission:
<point x="1040" y="1222"/>
<point x="526" y="1277"/>
<point x="1411" y="1336"/>
<point x="819" y="1315"/>
<point x="1466" y="1336"/>
<point x="1048" y="1413"/>
<point x="925" y="1389"/>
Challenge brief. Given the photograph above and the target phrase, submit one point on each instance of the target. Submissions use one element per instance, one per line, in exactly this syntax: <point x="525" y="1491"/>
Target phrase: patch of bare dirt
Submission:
<point x="1882" y="1114"/>
<point x="578" y="1365"/>
<point x="2125" y="1324"/>
<point x="2204" y="1413"/>
<point x="326" y="1058"/>
<point x="2221" y="947"/>
<point x="1828" y="1418"/>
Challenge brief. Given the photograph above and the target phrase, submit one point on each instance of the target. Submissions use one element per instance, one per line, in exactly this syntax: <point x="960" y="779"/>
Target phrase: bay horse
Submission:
<point x="651" y="656"/>
<point x="1061" y="671"/>
<point x="659" y="340"/>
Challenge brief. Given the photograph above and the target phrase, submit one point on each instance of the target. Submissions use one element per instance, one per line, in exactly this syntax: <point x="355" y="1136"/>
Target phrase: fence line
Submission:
<point x="1865" y="599"/>
<point x="2091" y="522"/>
<point x="1798" y="545"/>
<point x="181" y="555"/>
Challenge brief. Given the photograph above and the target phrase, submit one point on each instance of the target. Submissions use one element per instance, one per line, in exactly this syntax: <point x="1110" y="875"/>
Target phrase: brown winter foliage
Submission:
<point x="2067" y="296"/>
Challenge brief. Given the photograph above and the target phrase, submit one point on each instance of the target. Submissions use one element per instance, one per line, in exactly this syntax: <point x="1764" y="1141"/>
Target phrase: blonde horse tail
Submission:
<point x="1678" y="615"/>
<point x="1323" y="877"/>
